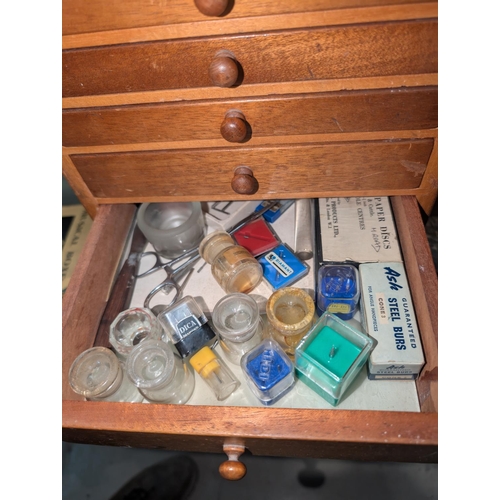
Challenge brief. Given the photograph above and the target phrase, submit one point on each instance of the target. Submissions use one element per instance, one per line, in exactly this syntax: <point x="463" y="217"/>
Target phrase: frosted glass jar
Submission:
<point x="236" y="320"/>
<point x="97" y="374"/>
<point x="233" y="267"/>
<point x="290" y="313"/>
<point x="131" y="327"/>
<point x="172" y="228"/>
<point x="160" y="375"/>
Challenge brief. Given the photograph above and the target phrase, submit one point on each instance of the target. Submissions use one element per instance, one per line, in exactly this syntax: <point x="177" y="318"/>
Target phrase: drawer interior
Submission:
<point x="203" y="426"/>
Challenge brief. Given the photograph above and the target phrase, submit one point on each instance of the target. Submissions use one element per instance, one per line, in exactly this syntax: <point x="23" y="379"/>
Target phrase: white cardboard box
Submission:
<point x="356" y="230"/>
<point x="388" y="316"/>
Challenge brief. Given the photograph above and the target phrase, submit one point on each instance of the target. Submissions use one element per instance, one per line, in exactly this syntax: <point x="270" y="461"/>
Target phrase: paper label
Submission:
<point x="358" y="230"/>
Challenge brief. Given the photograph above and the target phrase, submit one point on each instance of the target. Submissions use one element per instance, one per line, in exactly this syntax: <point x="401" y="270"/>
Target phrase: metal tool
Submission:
<point x="171" y="280"/>
<point x="303" y="229"/>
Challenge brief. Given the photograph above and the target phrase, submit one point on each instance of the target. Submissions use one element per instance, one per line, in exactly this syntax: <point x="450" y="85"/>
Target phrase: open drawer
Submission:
<point x="322" y="433"/>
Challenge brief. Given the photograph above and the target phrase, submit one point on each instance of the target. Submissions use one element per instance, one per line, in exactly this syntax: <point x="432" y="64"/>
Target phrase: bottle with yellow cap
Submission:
<point x="215" y="373"/>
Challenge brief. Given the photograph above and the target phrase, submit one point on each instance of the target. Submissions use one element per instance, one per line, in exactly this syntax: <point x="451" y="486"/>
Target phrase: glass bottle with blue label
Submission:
<point x="233" y="267"/>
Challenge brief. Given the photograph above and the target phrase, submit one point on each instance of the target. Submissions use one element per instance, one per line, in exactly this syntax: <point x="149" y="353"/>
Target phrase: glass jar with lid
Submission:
<point x="131" y="327"/>
<point x="237" y="321"/>
<point x="233" y="267"/>
<point x="160" y="375"/>
<point x="97" y="374"/>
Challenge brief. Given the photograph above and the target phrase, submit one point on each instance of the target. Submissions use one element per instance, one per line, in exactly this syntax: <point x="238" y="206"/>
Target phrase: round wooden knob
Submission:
<point x="211" y="7"/>
<point x="244" y="182"/>
<point x="232" y="469"/>
<point x="223" y="70"/>
<point x="234" y="126"/>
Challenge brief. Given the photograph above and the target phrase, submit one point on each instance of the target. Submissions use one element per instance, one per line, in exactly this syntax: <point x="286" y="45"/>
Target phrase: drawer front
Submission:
<point x="342" y="112"/>
<point x="356" y="51"/>
<point x="287" y="171"/>
<point x="84" y="16"/>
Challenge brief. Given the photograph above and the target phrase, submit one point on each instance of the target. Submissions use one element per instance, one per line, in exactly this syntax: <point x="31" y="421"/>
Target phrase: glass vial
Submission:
<point x="233" y="267"/>
<point x="97" y="374"/>
<point x="131" y="327"/>
<point x="160" y="375"/>
<point x="215" y="373"/>
<point x="186" y="326"/>
<point x="236" y="320"/>
<point x="290" y="313"/>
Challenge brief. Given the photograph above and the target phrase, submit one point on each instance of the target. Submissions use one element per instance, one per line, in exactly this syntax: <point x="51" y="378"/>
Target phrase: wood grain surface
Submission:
<point x="83" y="16"/>
<point x="254" y="24"/>
<point x="85" y="298"/>
<point x="422" y="275"/>
<point x="302" y="114"/>
<point x="281" y="171"/>
<point x="342" y="434"/>
<point x="353" y="51"/>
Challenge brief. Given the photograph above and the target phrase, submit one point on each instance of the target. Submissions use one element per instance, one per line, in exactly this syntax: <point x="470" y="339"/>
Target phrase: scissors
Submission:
<point x="171" y="279"/>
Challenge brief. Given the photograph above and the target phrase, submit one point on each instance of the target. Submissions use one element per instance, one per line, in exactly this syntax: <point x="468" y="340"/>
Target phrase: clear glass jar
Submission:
<point x="160" y="375"/>
<point x="233" y="267"/>
<point x="290" y="313"/>
<point x="97" y="374"/>
<point x="218" y="377"/>
<point x="131" y="327"/>
<point x="236" y="320"/>
<point x="172" y="228"/>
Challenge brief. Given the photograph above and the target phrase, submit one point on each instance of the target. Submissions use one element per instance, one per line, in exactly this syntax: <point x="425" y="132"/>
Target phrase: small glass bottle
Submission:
<point x="131" y="327"/>
<point x="290" y="313"/>
<point x="233" y="267"/>
<point x="160" y="375"/>
<point x="237" y="320"/>
<point x="215" y="373"/>
<point x="186" y="326"/>
<point x="97" y="374"/>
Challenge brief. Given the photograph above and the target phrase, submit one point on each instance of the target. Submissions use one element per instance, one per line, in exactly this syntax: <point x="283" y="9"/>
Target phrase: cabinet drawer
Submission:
<point x="355" y="51"/>
<point x="339" y="112"/>
<point x="329" y="433"/>
<point x="83" y="16"/>
<point x="288" y="170"/>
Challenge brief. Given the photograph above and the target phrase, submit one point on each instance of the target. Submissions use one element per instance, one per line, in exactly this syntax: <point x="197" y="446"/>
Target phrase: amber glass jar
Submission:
<point x="233" y="267"/>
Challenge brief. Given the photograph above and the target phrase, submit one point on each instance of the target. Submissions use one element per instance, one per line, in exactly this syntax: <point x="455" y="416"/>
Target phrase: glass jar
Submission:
<point x="172" y="228"/>
<point x="218" y="377"/>
<point x="233" y="267"/>
<point x="97" y="374"/>
<point x="290" y="313"/>
<point x="160" y="375"/>
<point x="236" y="320"/>
<point x="131" y="327"/>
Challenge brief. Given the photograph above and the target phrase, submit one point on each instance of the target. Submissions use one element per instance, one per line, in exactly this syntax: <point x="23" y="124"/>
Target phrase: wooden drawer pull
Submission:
<point x="234" y="127"/>
<point x="232" y="469"/>
<point x="224" y="69"/>
<point x="211" y="7"/>
<point x="244" y="182"/>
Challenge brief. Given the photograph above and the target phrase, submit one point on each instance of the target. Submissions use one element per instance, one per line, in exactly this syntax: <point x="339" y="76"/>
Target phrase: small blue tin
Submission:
<point x="268" y="372"/>
<point x="338" y="290"/>
<point x="274" y="213"/>
<point x="282" y="267"/>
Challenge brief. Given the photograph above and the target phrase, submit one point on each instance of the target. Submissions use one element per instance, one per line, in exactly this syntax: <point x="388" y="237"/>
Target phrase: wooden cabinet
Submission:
<point x="332" y="98"/>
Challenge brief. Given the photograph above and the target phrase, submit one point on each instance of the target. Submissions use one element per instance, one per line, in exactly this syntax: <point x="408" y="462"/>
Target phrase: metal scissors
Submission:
<point x="160" y="265"/>
<point x="171" y="279"/>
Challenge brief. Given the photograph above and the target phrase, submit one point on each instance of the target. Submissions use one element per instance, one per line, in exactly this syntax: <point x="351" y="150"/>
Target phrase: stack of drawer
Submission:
<point x="249" y="99"/>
